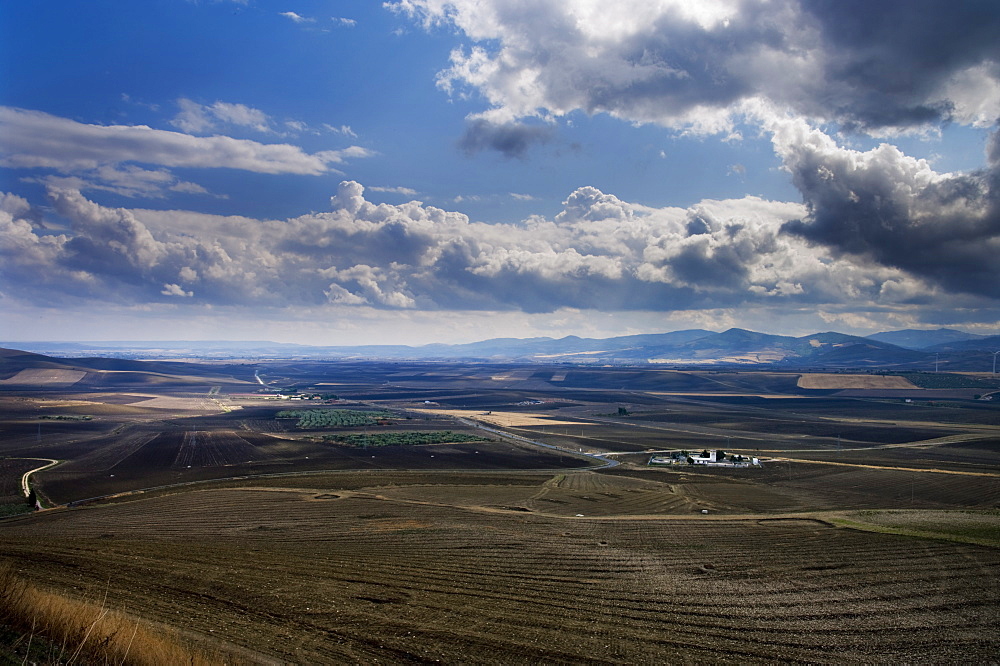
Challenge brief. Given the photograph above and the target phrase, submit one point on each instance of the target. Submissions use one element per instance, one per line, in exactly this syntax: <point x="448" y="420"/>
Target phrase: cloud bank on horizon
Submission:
<point x="145" y="221"/>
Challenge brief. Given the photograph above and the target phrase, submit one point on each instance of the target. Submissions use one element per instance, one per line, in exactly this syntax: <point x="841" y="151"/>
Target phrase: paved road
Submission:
<point x="608" y="462"/>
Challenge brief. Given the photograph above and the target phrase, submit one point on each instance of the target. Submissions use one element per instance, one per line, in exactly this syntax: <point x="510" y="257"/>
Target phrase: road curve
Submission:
<point x="25" y="488"/>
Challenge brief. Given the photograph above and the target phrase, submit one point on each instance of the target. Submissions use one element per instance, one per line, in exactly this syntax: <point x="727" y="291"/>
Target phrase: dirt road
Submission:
<point x="24" y="479"/>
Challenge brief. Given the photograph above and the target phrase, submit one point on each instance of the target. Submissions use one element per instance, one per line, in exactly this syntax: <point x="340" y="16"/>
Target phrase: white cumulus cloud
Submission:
<point x="599" y="252"/>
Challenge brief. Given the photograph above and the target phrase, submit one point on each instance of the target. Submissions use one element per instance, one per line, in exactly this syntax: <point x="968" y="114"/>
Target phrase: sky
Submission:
<point x="414" y="171"/>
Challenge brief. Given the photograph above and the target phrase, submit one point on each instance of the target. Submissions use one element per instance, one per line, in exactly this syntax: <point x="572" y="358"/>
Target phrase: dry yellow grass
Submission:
<point x="86" y="632"/>
<point x="834" y="381"/>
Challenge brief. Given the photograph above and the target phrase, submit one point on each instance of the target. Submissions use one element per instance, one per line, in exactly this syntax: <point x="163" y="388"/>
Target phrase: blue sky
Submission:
<point x="446" y="171"/>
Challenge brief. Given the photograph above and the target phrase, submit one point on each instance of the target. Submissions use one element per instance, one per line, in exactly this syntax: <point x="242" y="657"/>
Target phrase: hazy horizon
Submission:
<point x="248" y="341"/>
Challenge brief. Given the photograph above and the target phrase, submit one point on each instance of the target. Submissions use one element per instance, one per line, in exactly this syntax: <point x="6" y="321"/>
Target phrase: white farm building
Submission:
<point x="711" y="457"/>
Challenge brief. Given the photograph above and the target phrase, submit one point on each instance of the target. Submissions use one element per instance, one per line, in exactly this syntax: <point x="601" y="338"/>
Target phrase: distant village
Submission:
<point x="283" y="394"/>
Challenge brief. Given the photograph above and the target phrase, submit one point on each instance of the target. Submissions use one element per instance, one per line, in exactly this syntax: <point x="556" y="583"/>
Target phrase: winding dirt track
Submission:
<point x="24" y="479"/>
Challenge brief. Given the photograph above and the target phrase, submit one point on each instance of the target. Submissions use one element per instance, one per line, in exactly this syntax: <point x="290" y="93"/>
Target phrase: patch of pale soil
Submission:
<point x="835" y="381"/>
<point x="45" y="377"/>
<point x="513" y="375"/>
<point x="164" y="402"/>
<point x="565" y="354"/>
<point x="65" y="403"/>
<point x="509" y="419"/>
<point x="749" y="358"/>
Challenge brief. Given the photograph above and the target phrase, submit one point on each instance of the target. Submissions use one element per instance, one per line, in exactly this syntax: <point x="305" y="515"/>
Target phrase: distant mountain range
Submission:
<point x="921" y="339"/>
<point x="907" y="349"/>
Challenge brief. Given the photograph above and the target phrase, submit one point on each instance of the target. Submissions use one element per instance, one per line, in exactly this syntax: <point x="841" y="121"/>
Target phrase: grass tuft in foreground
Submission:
<point x="47" y="628"/>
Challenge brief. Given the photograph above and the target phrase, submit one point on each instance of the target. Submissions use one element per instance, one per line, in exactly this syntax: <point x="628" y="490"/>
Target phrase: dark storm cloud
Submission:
<point x="890" y="209"/>
<point x="993" y="148"/>
<point x="509" y="139"/>
<point x="890" y="61"/>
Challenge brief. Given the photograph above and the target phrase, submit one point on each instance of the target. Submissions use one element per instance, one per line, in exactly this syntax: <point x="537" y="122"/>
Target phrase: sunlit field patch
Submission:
<point x="838" y="381"/>
<point x="509" y="419"/>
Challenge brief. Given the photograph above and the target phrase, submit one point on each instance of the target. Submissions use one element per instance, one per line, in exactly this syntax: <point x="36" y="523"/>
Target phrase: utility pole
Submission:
<point x="995" y="361"/>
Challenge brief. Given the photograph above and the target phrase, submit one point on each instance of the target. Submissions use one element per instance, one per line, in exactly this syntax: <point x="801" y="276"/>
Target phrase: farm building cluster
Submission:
<point x="710" y="457"/>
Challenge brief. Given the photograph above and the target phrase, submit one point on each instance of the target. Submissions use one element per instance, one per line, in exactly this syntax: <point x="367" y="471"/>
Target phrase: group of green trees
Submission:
<point x="949" y="380"/>
<point x="407" y="438"/>
<point x="334" y="418"/>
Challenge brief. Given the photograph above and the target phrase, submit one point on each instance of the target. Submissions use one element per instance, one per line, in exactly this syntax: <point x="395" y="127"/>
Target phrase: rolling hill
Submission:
<point x="26" y="369"/>
<point x="922" y="339"/>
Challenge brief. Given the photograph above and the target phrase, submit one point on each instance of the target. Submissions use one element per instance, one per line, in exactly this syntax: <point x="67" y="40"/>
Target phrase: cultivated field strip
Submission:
<point x="112" y="450"/>
<point x="338" y="574"/>
<point x="889" y="488"/>
<point x="215" y="447"/>
<point x="266" y="425"/>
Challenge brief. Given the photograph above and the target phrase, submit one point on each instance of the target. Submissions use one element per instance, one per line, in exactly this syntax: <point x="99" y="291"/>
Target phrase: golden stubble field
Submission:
<point x="819" y="380"/>
<point x="479" y="568"/>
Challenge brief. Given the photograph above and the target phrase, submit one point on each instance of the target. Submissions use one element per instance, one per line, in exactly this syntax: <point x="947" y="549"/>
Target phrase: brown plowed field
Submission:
<point x="45" y="377"/>
<point x="238" y="525"/>
<point x="332" y="575"/>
